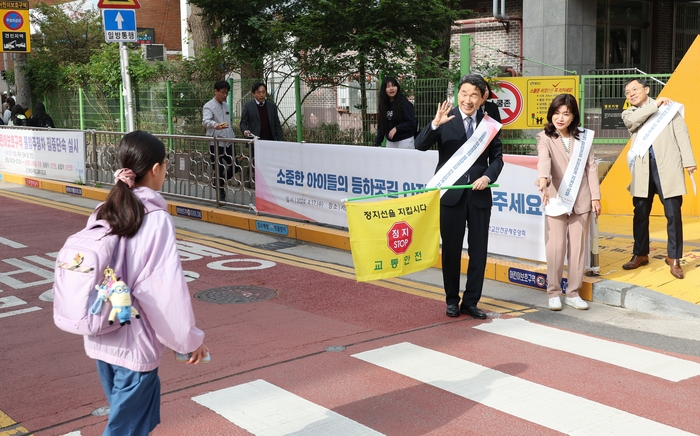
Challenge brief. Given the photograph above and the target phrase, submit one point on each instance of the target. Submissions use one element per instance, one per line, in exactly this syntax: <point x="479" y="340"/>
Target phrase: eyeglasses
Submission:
<point x="631" y="91"/>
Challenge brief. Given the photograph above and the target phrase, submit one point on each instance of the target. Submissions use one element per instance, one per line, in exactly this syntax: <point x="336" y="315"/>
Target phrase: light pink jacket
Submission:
<point x="149" y="264"/>
<point x="552" y="164"/>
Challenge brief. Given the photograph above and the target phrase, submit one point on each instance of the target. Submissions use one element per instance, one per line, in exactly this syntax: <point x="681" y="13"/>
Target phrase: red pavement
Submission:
<point x="48" y="384"/>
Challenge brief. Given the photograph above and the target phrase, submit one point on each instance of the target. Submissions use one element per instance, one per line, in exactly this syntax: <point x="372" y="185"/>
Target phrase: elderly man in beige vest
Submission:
<point x="660" y="150"/>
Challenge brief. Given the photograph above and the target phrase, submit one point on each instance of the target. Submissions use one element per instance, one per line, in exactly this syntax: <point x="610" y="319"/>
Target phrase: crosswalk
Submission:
<point x="264" y="408"/>
<point x="622" y="355"/>
<point x="250" y="405"/>
<point x="509" y="394"/>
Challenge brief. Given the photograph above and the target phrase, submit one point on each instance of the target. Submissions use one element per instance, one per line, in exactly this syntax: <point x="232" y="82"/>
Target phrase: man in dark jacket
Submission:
<point x="451" y="128"/>
<point x="260" y="116"/>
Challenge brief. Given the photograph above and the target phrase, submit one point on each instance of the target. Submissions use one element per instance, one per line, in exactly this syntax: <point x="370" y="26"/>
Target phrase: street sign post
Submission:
<point x="119" y="18"/>
<point x="119" y="25"/>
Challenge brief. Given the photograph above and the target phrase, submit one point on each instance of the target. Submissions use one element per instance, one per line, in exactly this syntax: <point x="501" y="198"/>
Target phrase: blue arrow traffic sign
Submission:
<point x="120" y="19"/>
<point x="119" y="25"/>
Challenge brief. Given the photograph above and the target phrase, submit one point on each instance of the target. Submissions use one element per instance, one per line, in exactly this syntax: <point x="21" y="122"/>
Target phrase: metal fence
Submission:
<point x="193" y="170"/>
<point x="328" y="115"/>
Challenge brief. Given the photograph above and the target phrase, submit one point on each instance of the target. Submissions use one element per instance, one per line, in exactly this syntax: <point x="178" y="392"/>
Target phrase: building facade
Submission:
<point x="554" y="37"/>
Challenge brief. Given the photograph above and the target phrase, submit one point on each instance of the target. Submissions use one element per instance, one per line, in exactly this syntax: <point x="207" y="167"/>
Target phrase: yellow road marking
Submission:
<point x="6" y="422"/>
<point x="48" y="203"/>
<point x="396" y="283"/>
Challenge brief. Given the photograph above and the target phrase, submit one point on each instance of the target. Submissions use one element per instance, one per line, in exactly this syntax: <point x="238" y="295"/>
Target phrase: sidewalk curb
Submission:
<point x="595" y="289"/>
<point x="643" y="300"/>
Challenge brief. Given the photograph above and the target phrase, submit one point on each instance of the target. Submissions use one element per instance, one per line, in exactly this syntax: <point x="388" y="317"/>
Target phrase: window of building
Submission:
<point x="622" y="34"/>
<point x="686" y="29"/>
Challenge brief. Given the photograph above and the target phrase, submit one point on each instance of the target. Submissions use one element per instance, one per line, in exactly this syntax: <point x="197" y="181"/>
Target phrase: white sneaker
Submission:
<point x="576" y="303"/>
<point x="554" y="303"/>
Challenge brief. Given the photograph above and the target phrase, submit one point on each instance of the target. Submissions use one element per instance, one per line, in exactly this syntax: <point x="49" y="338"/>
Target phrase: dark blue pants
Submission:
<point x="134" y="400"/>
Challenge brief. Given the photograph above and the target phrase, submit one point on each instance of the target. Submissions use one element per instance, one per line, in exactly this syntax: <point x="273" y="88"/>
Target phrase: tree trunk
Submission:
<point x="251" y="73"/>
<point x="366" y="122"/>
<point x="22" y="85"/>
<point x="200" y="29"/>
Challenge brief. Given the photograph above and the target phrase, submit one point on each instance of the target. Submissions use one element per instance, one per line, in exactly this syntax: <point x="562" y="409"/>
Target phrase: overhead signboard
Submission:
<point x="119" y="25"/>
<point x="14" y="27"/>
<point x="118" y="4"/>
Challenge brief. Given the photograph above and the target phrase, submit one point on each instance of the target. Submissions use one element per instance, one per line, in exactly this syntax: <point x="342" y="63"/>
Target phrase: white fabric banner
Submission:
<point x="50" y="154"/>
<point x="310" y="181"/>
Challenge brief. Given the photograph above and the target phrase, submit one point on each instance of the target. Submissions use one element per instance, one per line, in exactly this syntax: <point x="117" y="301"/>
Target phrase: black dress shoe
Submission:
<point x="452" y="310"/>
<point x="473" y="311"/>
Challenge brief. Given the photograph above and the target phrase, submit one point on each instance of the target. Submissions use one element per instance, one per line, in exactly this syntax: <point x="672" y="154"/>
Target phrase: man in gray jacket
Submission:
<point x="216" y="118"/>
<point x="656" y="169"/>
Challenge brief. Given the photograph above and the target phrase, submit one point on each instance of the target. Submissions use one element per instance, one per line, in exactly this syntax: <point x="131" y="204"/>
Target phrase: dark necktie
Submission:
<point x="469" y="129"/>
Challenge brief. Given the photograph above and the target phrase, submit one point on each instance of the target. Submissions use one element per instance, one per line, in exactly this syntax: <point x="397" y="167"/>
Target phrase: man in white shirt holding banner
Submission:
<point x="468" y="153"/>
<point x="660" y="151"/>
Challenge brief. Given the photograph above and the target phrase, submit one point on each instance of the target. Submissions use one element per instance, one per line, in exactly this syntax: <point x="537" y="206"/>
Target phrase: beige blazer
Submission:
<point x="672" y="150"/>
<point x="552" y="164"/>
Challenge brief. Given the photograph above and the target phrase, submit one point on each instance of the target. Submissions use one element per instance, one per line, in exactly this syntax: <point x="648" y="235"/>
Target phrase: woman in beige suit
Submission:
<point x="555" y="146"/>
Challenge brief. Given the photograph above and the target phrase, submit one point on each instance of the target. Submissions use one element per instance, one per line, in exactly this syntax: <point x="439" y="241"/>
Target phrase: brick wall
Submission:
<point x="662" y="28"/>
<point x="164" y="17"/>
<point x="504" y="36"/>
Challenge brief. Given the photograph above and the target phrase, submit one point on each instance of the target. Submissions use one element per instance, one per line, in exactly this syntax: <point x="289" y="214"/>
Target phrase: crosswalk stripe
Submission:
<point x="625" y="356"/>
<point x="11" y="244"/>
<point x="267" y="410"/>
<point x="512" y="395"/>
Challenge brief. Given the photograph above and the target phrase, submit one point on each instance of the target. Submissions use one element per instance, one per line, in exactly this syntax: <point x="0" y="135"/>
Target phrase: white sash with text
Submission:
<point x="650" y="130"/>
<point x="466" y="155"/>
<point x="571" y="182"/>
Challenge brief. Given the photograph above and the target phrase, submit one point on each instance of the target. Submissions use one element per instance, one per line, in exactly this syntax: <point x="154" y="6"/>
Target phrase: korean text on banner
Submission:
<point x="394" y="237"/>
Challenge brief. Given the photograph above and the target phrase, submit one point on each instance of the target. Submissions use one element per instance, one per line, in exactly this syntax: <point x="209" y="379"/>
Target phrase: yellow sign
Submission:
<point x="523" y="101"/>
<point x="118" y="4"/>
<point x="391" y="238"/>
<point x="14" y="28"/>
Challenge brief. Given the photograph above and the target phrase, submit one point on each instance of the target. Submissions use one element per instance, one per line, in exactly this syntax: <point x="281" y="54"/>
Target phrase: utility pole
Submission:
<point x="126" y="81"/>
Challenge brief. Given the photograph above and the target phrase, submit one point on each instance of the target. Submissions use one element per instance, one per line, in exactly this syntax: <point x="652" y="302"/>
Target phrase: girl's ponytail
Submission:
<point x="137" y="153"/>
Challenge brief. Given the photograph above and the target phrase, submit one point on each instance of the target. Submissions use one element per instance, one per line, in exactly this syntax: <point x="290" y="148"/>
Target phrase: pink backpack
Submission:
<point x="80" y="266"/>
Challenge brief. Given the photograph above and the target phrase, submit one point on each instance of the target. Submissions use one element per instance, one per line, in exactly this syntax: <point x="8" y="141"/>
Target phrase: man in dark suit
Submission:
<point x="450" y="129"/>
<point x="260" y="116"/>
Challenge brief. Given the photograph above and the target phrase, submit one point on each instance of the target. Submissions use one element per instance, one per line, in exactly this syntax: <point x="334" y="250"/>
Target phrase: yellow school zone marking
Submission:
<point x="616" y="249"/>
<point x="9" y="427"/>
<point x="396" y="284"/>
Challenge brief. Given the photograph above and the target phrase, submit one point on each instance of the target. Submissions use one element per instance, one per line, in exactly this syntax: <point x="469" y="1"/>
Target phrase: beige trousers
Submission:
<point x="558" y="229"/>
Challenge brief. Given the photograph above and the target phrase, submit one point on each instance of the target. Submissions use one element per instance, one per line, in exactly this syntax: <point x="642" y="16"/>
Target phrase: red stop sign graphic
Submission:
<point x="399" y="237"/>
<point x="509" y="101"/>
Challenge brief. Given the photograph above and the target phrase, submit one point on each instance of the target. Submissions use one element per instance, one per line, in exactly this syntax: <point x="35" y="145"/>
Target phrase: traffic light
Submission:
<point x="3" y="73"/>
